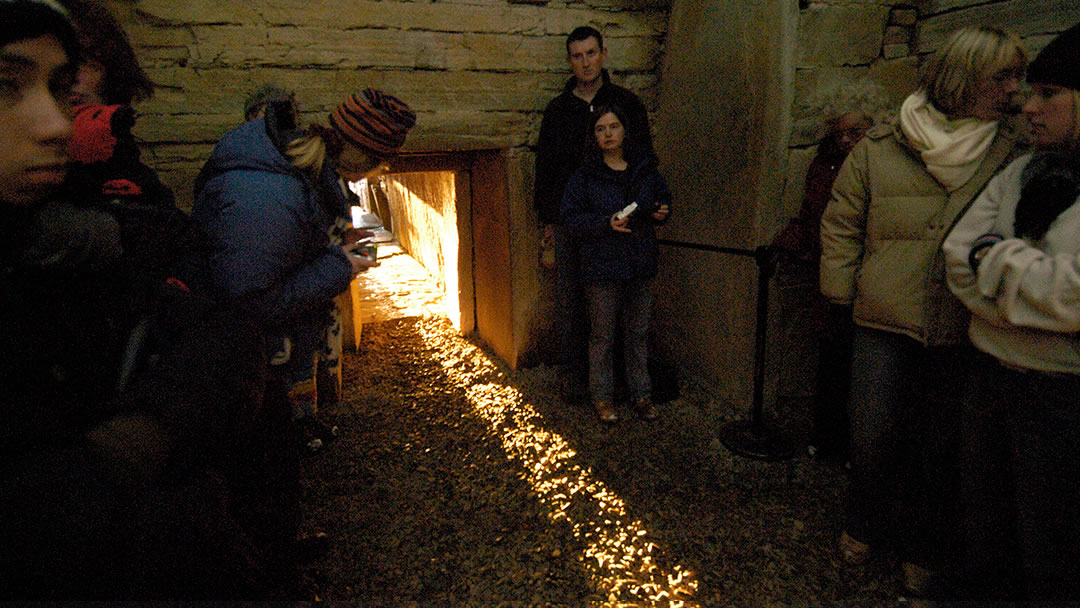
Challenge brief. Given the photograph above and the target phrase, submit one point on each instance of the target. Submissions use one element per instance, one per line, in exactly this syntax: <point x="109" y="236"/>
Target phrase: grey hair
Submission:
<point x="863" y="96"/>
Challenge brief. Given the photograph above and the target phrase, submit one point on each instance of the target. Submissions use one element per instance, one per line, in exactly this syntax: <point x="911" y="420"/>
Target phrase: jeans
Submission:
<point x="904" y="408"/>
<point x="615" y="304"/>
<point x="573" y="322"/>
<point x="1020" y="476"/>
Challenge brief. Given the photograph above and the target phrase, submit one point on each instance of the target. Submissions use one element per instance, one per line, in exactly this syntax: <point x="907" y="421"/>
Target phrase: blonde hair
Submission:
<point x="307" y="153"/>
<point x="971" y="54"/>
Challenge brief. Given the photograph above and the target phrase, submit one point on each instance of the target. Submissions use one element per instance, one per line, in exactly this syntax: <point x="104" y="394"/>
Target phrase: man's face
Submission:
<point x="586" y="59"/>
<point x="35" y="84"/>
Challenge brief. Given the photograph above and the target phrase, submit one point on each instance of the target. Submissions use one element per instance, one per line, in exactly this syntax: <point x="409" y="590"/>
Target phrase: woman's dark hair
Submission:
<point x="592" y="149"/>
<point x="28" y="19"/>
<point x="104" y="40"/>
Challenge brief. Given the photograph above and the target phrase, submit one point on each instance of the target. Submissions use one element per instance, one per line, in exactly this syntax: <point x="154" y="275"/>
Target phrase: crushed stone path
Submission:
<point x="457" y="481"/>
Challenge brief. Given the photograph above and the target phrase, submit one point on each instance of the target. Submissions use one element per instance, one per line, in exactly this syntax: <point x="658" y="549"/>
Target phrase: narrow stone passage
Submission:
<point x="457" y="481"/>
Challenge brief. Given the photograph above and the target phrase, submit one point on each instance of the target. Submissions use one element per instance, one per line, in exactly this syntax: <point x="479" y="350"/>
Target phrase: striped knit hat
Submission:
<point x="373" y="120"/>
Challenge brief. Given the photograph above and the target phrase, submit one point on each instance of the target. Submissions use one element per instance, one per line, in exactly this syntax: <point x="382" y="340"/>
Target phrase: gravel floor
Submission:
<point x="457" y="481"/>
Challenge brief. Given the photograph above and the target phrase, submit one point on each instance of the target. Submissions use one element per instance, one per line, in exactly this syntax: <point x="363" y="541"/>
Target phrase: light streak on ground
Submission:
<point x="619" y="556"/>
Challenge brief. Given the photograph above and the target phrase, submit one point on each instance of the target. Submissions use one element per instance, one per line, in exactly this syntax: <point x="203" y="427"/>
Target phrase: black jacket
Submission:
<point x="563" y="132"/>
<point x="593" y="194"/>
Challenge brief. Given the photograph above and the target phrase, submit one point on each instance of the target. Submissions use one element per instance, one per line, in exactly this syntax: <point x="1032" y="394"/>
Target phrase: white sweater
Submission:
<point x="1025" y="299"/>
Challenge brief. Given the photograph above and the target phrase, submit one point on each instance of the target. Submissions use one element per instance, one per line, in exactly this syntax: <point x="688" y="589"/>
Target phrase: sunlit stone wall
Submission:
<point x="477" y="73"/>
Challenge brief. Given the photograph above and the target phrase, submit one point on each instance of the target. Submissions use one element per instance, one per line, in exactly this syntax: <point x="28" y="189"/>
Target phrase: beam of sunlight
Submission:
<point x="620" y="557"/>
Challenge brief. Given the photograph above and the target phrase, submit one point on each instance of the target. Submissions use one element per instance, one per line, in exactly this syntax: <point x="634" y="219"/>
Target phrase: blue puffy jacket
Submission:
<point x="593" y="194"/>
<point x="268" y="222"/>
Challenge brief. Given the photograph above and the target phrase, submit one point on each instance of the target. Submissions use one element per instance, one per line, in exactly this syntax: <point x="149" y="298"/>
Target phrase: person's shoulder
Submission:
<point x="622" y="95"/>
<point x="881" y="131"/>
<point x="565" y="96"/>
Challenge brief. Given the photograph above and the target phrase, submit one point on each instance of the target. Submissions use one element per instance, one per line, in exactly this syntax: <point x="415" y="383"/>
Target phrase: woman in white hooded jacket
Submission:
<point x="1014" y="261"/>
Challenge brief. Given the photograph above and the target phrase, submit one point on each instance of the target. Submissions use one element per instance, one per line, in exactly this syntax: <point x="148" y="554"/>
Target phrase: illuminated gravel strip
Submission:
<point x="619" y="556"/>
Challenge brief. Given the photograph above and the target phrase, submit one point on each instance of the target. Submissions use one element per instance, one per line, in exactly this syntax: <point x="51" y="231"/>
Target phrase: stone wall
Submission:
<point x="478" y="73"/>
<point x="728" y="84"/>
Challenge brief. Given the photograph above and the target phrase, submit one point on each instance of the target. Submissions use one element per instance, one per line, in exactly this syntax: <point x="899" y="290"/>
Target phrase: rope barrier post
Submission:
<point x="753" y="438"/>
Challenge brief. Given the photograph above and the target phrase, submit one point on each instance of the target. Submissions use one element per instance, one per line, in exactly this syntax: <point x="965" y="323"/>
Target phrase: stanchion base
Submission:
<point x="762" y="443"/>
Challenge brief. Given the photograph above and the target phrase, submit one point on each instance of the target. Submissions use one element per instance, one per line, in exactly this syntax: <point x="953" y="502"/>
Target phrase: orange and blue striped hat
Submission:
<point x="373" y="120"/>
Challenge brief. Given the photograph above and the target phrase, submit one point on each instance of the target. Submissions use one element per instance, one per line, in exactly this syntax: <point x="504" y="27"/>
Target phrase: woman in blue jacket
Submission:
<point x="267" y="197"/>
<point x="618" y="254"/>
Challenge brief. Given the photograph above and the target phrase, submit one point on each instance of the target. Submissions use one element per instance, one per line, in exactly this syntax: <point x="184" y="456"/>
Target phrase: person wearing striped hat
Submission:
<point x="267" y="196"/>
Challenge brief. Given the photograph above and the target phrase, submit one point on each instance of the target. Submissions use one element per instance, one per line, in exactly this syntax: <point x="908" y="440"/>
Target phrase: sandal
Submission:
<point x="646" y="410"/>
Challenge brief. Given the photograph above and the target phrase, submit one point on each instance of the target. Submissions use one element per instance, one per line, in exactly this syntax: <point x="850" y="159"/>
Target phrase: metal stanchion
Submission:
<point x="752" y="438"/>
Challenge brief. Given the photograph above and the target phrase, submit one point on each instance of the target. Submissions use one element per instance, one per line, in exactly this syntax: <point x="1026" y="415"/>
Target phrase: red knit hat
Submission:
<point x="373" y="120"/>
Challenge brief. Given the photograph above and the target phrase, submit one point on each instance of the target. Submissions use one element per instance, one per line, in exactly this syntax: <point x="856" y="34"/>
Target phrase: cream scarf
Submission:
<point x="951" y="149"/>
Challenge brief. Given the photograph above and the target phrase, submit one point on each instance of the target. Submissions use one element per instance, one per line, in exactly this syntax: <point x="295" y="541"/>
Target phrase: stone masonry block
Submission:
<point x="840" y="35"/>
<point x="500" y="18"/>
<point x="904" y="17"/>
<point x="1024" y="17"/>
<point x="898" y="35"/>
<point x="894" y="51"/>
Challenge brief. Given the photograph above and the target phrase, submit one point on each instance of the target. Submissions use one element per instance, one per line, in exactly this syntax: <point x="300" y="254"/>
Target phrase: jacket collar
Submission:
<point x="572" y="83"/>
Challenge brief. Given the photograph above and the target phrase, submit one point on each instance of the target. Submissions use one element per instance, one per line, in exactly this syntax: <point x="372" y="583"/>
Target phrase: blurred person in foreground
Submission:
<point x="109" y="80"/>
<point x="120" y="415"/>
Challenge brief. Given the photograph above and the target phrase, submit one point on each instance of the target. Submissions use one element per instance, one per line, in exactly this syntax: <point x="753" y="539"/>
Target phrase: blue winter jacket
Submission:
<point x="593" y="194"/>
<point x="268" y="222"/>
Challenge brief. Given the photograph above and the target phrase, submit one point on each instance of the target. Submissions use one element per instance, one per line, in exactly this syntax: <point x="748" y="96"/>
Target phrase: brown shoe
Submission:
<point x="918" y="581"/>
<point x="645" y="409"/>
<point x="854" y="552"/>
<point x="605" y="412"/>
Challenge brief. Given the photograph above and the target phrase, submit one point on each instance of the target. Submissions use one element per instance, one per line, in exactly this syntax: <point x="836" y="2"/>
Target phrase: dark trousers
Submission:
<point x="904" y="416"/>
<point x="833" y="381"/>
<point x="1020" y="483"/>
<point x="573" y="324"/>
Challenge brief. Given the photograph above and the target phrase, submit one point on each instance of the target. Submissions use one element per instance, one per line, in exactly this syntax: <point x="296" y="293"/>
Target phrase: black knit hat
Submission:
<point x="28" y="19"/>
<point x="1059" y="62"/>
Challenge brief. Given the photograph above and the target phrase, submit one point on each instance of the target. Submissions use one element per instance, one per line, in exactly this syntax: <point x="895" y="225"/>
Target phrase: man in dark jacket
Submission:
<point x="560" y="151"/>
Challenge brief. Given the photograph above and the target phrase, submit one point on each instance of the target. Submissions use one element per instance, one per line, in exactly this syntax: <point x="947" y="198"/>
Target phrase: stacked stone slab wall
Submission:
<point x="478" y="73"/>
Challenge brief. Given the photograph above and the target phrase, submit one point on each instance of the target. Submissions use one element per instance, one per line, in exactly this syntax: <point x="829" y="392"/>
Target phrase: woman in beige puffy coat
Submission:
<point x="897" y="195"/>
